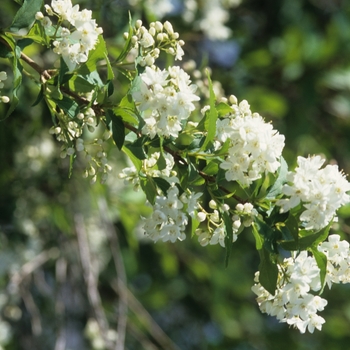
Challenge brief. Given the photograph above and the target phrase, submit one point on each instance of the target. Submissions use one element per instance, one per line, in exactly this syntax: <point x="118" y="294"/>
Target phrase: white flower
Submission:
<point x="254" y="146"/>
<point x="322" y="191"/>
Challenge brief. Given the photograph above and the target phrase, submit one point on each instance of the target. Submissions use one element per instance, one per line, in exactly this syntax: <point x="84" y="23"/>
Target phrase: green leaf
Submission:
<point x="137" y="149"/>
<point x="39" y="97"/>
<point x="127" y="45"/>
<point x="223" y="109"/>
<point x="321" y="260"/>
<point x="293" y="226"/>
<point x="149" y="187"/>
<point x="211" y="116"/>
<point x="211" y="169"/>
<point x="25" y="16"/>
<point x="270" y="235"/>
<point x="99" y="53"/>
<point x="258" y="239"/>
<point x="194" y="225"/>
<point x="38" y="34"/>
<point x="13" y="54"/>
<point x="276" y="188"/>
<point x="224" y="149"/>
<point x="306" y="242"/>
<point x="69" y="106"/>
<point x="268" y="272"/>
<point x="135" y="160"/>
<point x="128" y="115"/>
<point x="118" y="130"/>
<point x="163" y="184"/>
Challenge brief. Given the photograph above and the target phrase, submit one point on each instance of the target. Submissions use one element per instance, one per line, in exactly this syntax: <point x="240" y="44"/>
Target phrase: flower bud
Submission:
<point x="212" y="204"/>
<point x="5" y="99"/>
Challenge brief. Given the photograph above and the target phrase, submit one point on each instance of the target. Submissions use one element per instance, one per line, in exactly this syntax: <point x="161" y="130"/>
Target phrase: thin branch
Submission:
<point x="154" y="329"/>
<point x="32" y="309"/>
<point x="29" y="267"/>
<point x="90" y="279"/>
<point x="121" y="275"/>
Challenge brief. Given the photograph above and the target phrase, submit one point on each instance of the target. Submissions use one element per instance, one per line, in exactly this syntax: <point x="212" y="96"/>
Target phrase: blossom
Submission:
<point x="168" y="221"/>
<point x="168" y="96"/>
<point x="255" y="146"/>
<point x="322" y="191"/>
<point x="74" y="45"/>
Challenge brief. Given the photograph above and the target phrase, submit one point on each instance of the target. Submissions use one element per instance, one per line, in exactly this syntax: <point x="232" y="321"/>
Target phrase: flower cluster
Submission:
<point x="150" y="168"/>
<point x="338" y="260"/>
<point x="168" y="96"/>
<point x="70" y="131"/>
<point x="321" y="191"/>
<point x="243" y="216"/>
<point x="74" y="46"/>
<point x="168" y="221"/>
<point x="293" y="301"/>
<point x="3" y="76"/>
<point x="151" y="41"/>
<point x="255" y="146"/>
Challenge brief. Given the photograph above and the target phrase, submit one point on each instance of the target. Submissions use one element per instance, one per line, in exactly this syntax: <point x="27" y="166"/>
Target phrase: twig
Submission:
<point x="29" y="267"/>
<point x="156" y="332"/>
<point x="121" y="275"/>
<point x="32" y="309"/>
<point x="90" y="279"/>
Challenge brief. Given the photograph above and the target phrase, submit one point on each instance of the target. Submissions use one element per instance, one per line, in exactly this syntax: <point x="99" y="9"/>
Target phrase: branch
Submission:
<point x="90" y="279"/>
<point x="121" y="275"/>
<point x="144" y="316"/>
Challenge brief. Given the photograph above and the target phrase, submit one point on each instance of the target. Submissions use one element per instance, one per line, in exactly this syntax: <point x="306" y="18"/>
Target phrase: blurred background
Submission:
<point x="291" y="61"/>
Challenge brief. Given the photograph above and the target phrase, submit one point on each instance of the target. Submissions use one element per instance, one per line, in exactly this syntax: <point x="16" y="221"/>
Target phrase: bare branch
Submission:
<point x="144" y="316"/>
<point x="90" y="279"/>
<point x="121" y="275"/>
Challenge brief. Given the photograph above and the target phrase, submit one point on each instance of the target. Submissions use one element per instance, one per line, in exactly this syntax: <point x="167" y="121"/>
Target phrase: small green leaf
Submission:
<point x="25" y="16"/>
<point x="39" y="97"/>
<point x="211" y="116"/>
<point x="306" y="242"/>
<point x="211" y="169"/>
<point x="118" y="130"/>
<point x="321" y="260"/>
<point x="149" y="187"/>
<point x="69" y="106"/>
<point x="135" y="160"/>
<point x="268" y="272"/>
<point x="194" y="225"/>
<point x="13" y="53"/>
<point x="276" y="188"/>
<point x="163" y="184"/>
<point x="37" y="33"/>
<point x="127" y="45"/>
<point x="258" y="239"/>
<point x="137" y="148"/>
<point x="223" y="109"/>
<point x="293" y="227"/>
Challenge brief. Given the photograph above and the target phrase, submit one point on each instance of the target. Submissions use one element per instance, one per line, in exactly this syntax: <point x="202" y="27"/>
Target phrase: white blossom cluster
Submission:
<point x="150" y="168"/>
<point x="74" y="45"/>
<point x="168" y="96"/>
<point x="338" y="260"/>
<point x="299" y="277"/>
<point x="3" y="76"/>
<point x="255" y="146"/>
<point x="151" y="41"/>
<point x="243" y="216"/>
<point x="168" y="221"/>
<point x="70" y="133"/>
<point x="321" y="191"/>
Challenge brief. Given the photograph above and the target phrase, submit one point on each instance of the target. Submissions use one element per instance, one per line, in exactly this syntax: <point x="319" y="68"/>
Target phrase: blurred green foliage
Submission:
<point x="294" y="69"/>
